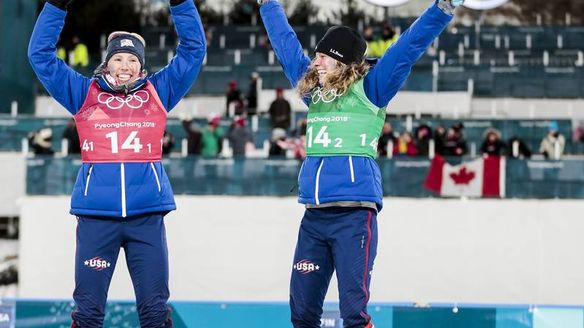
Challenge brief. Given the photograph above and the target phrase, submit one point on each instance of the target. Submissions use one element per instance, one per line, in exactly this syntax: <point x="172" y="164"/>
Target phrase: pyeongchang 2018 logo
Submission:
<point x="306" y="266"/>
<point x="135" y="100"/>
<point x="97" y="264"/>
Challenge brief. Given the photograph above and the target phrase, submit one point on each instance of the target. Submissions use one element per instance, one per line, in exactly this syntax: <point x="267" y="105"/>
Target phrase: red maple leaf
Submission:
<point x="463" y="176"/>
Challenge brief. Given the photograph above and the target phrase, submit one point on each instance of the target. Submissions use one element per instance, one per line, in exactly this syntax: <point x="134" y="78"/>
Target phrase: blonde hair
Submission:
<point x="341" y="79"/>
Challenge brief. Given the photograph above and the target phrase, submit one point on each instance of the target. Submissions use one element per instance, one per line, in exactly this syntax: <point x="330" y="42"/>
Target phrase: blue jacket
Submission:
<point x="119" y="189"/>
<point x="351" y="178"/>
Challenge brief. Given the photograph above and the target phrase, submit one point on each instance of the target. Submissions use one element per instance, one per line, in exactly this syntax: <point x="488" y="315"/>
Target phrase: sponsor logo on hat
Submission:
<point x="335" y="52"/>
<point x="306" y="266"/>
<point x="127" y="43"/>
<point x="97" y="263"/>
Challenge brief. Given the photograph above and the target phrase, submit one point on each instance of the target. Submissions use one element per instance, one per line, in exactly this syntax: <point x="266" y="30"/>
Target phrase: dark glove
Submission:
<point x="176" y="2"/>
<point x="60" y="3"/>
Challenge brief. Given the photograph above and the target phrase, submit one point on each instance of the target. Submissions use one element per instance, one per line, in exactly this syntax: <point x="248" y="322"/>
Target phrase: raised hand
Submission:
<point x="448" y="6"/>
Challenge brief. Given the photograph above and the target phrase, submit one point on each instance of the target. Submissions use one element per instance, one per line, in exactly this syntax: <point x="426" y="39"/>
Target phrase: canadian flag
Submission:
<point x="482" y="177"/>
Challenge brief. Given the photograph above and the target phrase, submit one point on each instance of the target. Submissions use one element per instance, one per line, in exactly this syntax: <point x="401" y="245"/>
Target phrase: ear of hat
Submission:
<point x="343" y="44"/>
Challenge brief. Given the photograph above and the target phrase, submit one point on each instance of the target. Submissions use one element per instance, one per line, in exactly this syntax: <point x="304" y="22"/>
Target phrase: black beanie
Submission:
<point x="125" y="42"/>
<point x="343" y="44"/>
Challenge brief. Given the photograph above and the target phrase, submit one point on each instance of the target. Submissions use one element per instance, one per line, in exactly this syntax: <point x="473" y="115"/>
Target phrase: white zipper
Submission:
<point x="351" y="168"/>
<point x="155" y="176"/>
<point x="88" y="178"/>
<point x="316" y="183"/>
<point x="123" y="185"/>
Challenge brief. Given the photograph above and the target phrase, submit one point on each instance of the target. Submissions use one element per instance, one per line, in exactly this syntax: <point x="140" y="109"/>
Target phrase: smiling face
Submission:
<point x="124" y="67"/>
<point x="324" y="64"/>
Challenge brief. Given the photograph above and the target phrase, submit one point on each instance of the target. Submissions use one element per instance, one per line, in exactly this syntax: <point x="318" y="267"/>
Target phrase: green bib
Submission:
<point x="348" y="124"/>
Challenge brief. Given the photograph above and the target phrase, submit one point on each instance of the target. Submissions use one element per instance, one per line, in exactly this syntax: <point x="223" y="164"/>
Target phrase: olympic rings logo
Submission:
<point x="327" y="96"/>
<point x="135" y="100"/>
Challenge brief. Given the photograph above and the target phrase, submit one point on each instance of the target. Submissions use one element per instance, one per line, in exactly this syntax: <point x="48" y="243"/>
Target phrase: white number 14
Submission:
<point x="373" y="142"/>
<point x="131" y="142"/>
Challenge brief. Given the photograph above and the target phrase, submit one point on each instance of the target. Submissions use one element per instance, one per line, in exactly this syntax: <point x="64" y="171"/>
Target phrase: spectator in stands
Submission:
<point x="167" y="143"/>
<point x="208" y="32"/>
<point x="264" y="42"/>
<point x="388" y="38"/>
<point x="423" y="137"/>
<point x="492" y="144"/>
<point x="339" y="181"/>
<point x="70" y="134"/>
<point x="579" y="132"/>
<point x="552" y="145"/>
<point x="300" y="129"/>
<point x="234" y="104"/>
<point x="278" y="143"/>
<point x="455" y="144"/>
<point x="405" y="145"/>
<point x="122" y="193"/>
<point x="212" y="137"/>
<point x="204" y="141"/>
<point x="280" y="111"/>
<point x="376" y="47"/>
<point x="439" y="139"/>
<point x="240" y="138"/>
<point x="297" y="142"/>
<point x="194" y="136"/>
<point x="251" y="98"/>
<point x="41" y="141"/>
<point x="517" y="148"/>
<point x="387" y="136"/>
<point x="79" y="55"/>
<point x="369" y="36"/>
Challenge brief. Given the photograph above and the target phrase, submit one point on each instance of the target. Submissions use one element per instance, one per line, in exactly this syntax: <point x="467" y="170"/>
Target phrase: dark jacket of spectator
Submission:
<point x="70" y="134"/>
<point x="492" y="144"/>
<point x="387" y="135"/>
<point x="454" y="144"/>
<point x="523" y="150"/>
<point x="233" y="96"/>
<point x="194" y="137"/>
<point x="239" y="137"/>
<point x="423" y="137"/>
<point x="41" y="141"/>
<point x="252" y="95"/>
<point x="280" y="111"/>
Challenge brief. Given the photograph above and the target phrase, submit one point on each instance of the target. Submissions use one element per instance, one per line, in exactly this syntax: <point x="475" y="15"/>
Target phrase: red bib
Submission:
<point x="121" y="128"/>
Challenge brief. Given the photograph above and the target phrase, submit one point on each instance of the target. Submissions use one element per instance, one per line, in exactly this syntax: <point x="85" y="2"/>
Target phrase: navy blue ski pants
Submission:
<point x="341" y="239"/>
<point x="143" y="239"/>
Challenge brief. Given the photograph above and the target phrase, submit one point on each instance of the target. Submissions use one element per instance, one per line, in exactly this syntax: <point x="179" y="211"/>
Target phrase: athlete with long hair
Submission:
<point x="339" y="181"/>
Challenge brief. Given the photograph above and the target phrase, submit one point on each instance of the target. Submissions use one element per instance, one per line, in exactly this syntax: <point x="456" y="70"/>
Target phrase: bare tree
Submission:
<point x="350" y="14"/>
<point x="304" y="13"/>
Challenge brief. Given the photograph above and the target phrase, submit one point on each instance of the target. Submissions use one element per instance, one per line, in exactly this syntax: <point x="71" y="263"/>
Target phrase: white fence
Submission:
<point x="430" y="250"/>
